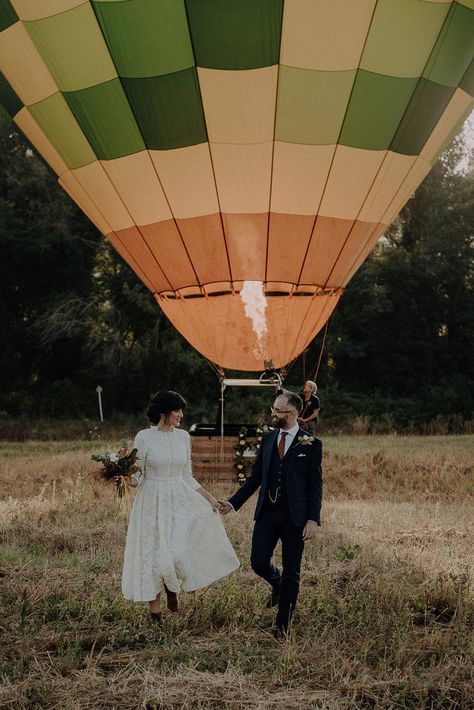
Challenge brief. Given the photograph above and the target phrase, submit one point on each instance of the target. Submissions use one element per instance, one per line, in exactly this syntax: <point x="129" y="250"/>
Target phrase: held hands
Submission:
<point x="215" y="505"/>
<point x="310" y="530"/>
<point x="220" y="506"/>
<point x="224" y="507"/>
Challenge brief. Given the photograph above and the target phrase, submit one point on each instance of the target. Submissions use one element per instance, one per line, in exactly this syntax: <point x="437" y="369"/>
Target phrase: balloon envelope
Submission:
<point x="243" y="157"/>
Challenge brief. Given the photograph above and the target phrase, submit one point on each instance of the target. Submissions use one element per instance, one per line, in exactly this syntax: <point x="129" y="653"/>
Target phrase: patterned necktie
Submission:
<point x="281" y="444"/>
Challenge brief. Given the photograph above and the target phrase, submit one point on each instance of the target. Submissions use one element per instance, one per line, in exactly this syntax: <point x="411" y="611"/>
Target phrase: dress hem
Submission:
<point x="192" y="588"/>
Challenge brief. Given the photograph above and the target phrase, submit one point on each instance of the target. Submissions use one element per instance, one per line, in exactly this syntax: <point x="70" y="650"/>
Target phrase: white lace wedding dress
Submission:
<point x="174" y="537"/>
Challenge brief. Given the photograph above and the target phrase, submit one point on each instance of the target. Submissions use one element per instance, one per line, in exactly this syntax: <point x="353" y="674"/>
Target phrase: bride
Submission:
<point x="176" y="539"/>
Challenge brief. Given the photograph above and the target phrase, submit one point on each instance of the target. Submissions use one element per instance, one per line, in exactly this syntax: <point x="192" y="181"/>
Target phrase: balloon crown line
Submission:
<point x="293" y="291"/>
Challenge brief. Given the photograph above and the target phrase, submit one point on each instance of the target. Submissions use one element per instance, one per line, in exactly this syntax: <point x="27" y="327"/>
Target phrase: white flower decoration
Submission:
<point x="305" y="440"/>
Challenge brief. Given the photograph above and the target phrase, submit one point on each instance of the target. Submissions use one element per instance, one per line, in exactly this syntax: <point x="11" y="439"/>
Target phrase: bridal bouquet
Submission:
<point x="117" y="466"/>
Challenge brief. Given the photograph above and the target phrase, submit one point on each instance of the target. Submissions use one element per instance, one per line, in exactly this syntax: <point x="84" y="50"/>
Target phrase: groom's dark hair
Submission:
<point x="293" y="399"/>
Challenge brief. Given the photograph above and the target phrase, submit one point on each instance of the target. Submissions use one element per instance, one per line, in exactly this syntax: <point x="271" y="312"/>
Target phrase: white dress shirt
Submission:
<point x="291" y="433"/>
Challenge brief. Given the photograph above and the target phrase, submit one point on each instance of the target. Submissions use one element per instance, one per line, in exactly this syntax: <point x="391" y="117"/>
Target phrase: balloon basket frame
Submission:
<point x="269" y="378"/>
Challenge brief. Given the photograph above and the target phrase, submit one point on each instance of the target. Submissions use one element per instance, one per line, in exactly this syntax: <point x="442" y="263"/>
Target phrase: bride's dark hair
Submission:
<point x="164" y="402"/>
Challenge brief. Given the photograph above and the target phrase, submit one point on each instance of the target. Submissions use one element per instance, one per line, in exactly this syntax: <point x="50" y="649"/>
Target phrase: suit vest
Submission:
<point x="276" y="491"/>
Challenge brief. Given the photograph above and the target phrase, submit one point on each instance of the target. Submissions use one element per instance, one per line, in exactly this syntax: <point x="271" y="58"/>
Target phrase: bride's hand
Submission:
<point x="224" y="507"/>
<point x="215" y="505"/>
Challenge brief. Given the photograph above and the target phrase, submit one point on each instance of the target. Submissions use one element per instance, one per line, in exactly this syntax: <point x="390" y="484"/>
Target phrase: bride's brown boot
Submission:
<point x="171" y="600"/>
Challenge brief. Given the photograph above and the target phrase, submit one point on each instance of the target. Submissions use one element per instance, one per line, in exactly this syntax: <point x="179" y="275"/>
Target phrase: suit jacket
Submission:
<point x="303" y="478"/>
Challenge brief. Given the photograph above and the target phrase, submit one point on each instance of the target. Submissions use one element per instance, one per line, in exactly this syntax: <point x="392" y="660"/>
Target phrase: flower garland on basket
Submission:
<point x="245" y="453"/>
<point x="118" y="466"/>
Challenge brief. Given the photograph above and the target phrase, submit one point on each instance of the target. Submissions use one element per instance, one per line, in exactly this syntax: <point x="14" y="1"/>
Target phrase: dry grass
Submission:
<point x="385" y="617"/>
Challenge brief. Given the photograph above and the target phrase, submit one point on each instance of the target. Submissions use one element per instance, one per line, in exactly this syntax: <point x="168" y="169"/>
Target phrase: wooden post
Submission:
<point x="98" y="389"/>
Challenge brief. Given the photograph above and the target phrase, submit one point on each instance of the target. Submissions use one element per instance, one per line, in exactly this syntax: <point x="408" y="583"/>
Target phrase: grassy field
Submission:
<point x="385" y="618"/>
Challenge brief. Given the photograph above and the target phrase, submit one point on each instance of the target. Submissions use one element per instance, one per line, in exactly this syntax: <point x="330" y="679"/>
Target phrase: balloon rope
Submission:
<point x="286" y="370"/>
<point x="222" y="419"/>
<point x="213" y="367"/>
<point x="316" y="369"/>
<point x="220" y="374"/>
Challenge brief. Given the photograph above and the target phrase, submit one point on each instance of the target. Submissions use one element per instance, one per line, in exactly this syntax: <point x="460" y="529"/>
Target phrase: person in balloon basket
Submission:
<point x="288" y="473"/>
<point x="175" y="539"/>
<point x="311" y="406"/>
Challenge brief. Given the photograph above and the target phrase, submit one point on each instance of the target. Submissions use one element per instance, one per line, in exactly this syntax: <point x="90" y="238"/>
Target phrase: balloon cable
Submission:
<point x="222" y="420"/>
<point x="289" y="367"/>
<point x="216" y="370"/>
<point x="314" y="377"/>
<point x="220" y="374"/>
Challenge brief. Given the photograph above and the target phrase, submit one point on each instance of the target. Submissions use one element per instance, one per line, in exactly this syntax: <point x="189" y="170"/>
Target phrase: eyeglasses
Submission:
<point x="281" y="411"/>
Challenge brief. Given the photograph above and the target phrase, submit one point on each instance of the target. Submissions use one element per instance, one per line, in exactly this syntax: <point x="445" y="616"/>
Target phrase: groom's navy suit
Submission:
<point x="290" y="495"/>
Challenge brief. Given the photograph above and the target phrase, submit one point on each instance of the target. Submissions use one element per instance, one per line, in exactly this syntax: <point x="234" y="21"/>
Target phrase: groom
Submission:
<point x="288" y="472"/>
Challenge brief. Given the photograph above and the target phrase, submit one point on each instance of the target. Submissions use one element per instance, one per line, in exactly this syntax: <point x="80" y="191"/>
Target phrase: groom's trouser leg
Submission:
<point x="291" y="552"/>
<point x="266" y="534"/>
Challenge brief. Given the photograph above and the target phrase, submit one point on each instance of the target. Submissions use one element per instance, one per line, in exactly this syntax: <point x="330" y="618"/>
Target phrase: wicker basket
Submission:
<point x="206" y="456"/>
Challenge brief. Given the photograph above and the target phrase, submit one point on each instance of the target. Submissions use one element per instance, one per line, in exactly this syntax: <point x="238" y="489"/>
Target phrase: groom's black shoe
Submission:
<point x="273" y="598"/>
<point x="280" y="634"/>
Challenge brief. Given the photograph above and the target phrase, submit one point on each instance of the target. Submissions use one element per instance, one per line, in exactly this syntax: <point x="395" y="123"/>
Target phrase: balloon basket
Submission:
<point x="208" y="465"/>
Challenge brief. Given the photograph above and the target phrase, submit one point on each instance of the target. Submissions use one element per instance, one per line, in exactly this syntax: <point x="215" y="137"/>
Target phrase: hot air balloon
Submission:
<point x="243" y="157"/>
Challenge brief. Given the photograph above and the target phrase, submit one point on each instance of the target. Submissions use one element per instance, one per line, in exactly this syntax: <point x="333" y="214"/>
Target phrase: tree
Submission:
<point x="47" y="248"/>
<point x="405" y="323"/>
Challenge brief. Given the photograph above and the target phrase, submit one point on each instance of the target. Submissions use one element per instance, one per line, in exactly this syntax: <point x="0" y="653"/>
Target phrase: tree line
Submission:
<point x="398" y="348"/>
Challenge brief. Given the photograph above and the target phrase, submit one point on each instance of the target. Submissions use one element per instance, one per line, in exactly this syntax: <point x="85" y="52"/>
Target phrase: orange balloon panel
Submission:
<point x="253" y="150"/>
<point x="220" y="329"/>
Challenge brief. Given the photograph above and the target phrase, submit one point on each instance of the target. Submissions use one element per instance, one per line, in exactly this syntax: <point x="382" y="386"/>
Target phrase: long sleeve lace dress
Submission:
<point x="174" y="537"/>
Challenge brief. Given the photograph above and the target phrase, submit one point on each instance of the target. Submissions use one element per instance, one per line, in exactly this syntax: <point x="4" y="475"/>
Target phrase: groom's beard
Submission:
<point x="279" y="423"/>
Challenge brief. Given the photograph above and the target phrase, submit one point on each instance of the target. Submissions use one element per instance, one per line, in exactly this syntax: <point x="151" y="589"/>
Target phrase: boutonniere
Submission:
<point x="305" y="440"/>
